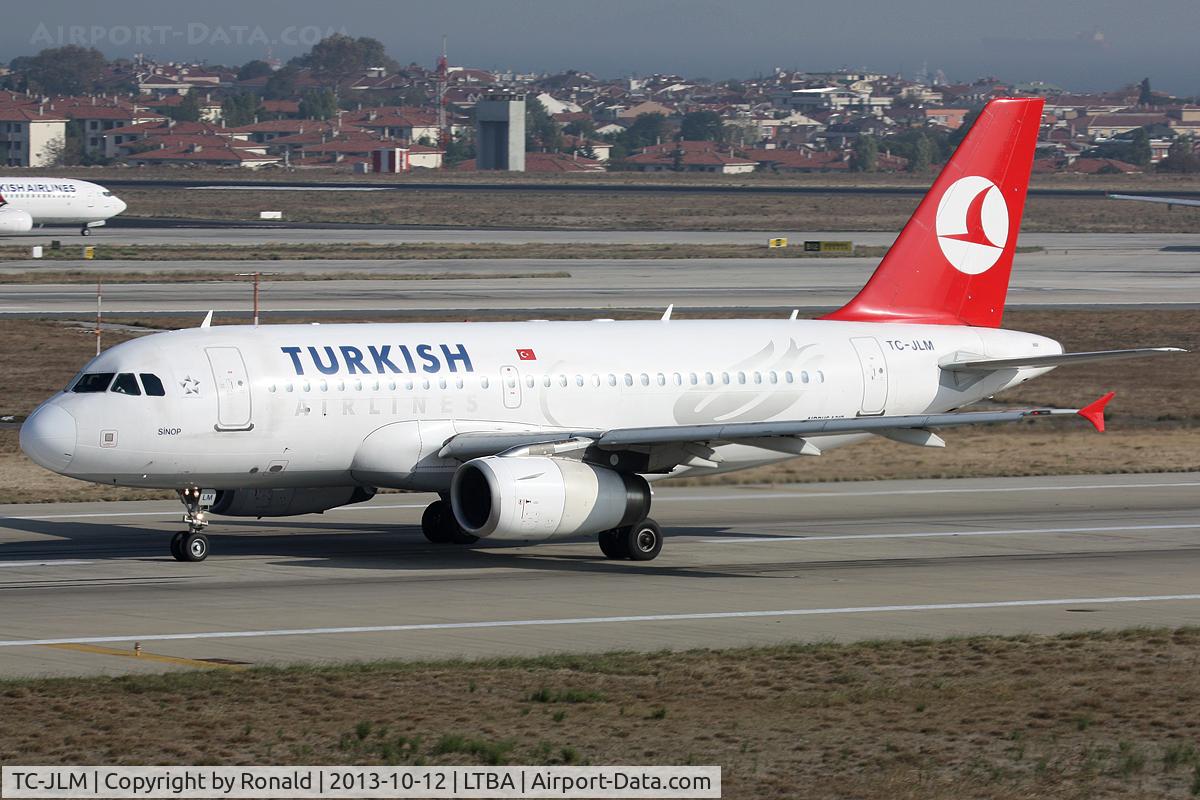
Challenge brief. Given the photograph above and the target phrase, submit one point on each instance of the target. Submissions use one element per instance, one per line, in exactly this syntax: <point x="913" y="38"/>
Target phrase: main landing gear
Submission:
<point x="192" y="544"/>
<point x="85" y="231"/>
<point x="440" y="527"/>
<point x="641" y="541"/>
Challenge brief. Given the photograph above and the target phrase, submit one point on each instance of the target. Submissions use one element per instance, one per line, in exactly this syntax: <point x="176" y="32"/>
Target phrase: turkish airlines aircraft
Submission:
<point x="536" y="431"/>
<point x="25" y="202"/>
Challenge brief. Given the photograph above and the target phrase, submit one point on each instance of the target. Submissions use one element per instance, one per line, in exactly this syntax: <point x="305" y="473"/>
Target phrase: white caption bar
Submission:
<point x="355" y="782"/>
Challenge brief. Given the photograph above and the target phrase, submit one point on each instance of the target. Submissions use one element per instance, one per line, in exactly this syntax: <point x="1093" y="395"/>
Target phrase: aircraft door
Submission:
<point x="233" y="388"/>
<point x="874" y="374"/>
<point x="510" y="384"/>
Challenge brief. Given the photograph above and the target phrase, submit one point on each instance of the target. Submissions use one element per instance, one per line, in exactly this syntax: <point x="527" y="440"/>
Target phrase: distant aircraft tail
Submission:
<point x="951" y="263"/>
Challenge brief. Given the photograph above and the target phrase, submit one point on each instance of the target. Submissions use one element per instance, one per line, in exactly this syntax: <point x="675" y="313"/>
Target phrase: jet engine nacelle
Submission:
<point x="538" y="498"/>
<point x="14" y="220"/>
<point x="286" y="502"/>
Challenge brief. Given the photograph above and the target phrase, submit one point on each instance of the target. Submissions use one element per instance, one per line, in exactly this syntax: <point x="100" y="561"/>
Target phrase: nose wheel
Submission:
<point x="192" y="544"/>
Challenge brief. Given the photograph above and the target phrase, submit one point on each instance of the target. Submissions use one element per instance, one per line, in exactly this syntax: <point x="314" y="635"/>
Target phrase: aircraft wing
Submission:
<point x="1171" y="201"/>
<point x="1059" y="359"/>
<point x="784" y="436"/>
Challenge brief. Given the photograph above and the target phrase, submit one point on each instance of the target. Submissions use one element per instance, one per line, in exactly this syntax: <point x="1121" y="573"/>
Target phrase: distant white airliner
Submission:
<point x="534" y="431"/>
<point x="25" y="202"/>
<point x="1170" y="201"/>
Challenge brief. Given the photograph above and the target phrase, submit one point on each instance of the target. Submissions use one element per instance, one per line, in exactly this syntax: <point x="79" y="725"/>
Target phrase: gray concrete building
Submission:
<point x="500" y="132"/>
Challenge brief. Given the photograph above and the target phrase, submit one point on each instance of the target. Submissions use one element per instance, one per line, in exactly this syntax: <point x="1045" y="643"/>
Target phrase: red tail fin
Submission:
<point x="950" y="264"/>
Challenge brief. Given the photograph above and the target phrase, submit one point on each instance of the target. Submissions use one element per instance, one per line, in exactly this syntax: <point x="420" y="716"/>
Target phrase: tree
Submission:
<point x="62" y="70"/>
<point x="459" y="149"/>
<point x="188" y="109"/>
<point x="922" y="155"/>
<point x="1145" y="95"/>
<point x="1181" y="158"/>
<point x="239" y="109"/>
<point x="580" y="127"/>
<point x="958" y="134"/>
<point x="540" y="128"/>
<point x="254" y="69"/>
<point x="281" y="85"/>
<point x="702" y="126"/>
<point x="646" y="130"/>
<point x="1132" y="148"/>
<point x="866" y="154"/>
<point x="318" y="104"/>
<point x="341" y="57"/>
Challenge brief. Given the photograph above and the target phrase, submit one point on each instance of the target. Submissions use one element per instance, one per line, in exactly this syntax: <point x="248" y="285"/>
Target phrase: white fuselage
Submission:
<point x="371" y="404"/>
<point x="60" y="201"/>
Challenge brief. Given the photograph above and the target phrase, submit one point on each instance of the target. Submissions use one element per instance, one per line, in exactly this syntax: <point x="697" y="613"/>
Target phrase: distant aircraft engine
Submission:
<point x="14" y="220"/>
<point x="286" y="502"/>
<point x="535" y="498"/>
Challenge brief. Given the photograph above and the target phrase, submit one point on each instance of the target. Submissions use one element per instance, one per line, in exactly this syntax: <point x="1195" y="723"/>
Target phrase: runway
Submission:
<point x="267" y="233"/>
<point x="79" y="584"/>
<point x="535" y="285"/>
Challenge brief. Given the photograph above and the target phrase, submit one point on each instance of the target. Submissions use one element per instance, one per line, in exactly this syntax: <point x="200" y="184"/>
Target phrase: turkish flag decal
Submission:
<point x="525" y="354"/>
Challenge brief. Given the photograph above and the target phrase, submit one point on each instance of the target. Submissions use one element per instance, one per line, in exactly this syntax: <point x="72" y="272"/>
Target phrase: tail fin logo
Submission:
<point x="972" y="224"/>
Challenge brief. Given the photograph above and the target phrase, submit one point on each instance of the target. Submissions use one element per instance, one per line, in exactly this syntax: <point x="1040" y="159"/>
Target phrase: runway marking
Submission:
<point x="143" y="656"/>
<point x="529" y="623"/>
<point x="937" y="534"/>
<point x="895" y="492"/>
<point x="691" y="498"/>
<point x="62" y="562"/>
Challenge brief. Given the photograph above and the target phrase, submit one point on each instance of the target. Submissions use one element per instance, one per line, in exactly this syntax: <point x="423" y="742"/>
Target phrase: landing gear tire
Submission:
<point x="177" y="548"/>
<point x="643" y="540"/>
<point x="440" y="527"/>
<point x="613" y="545"/>
<point x="194" y="547"/>
<point x="85" y="231"/>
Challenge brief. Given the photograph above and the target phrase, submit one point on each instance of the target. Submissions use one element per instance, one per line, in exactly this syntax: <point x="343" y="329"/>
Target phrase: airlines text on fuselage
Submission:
<point x="379" y="359"/>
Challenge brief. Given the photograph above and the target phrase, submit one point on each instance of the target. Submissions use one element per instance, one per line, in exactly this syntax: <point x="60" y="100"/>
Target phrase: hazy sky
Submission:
<point x="1012" y="39"/>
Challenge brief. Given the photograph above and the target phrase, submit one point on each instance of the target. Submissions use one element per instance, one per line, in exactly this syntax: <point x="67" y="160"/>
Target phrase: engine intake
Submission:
<point x="286" y="502"/>
<point x="14" y="220"/>
<point x="538" y="498"/>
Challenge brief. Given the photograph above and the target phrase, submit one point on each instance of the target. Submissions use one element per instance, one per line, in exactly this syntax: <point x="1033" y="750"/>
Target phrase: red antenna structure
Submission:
<point x="443" y="80"/>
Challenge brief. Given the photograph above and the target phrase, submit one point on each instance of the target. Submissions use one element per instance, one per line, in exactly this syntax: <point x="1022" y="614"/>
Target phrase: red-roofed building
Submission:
<point x="31" y="137"/>
<point x="689" y="157"/>
<point x="547" y="163"/>
<point x="197" y="154"/>
<point x="117" y="140"/>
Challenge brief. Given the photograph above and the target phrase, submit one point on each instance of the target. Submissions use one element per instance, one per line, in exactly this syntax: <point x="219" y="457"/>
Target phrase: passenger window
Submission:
<point x="757" y="377"/>
<point x="645" y="379"/>
<point x="774" y="376"/>
<point x="483" y="382"/>
<point x="708" y="378"/>
<point x="612" y="379"/>
<point x="661" y="379"/>
<point x="579" y="380"/>
<point x="126" y="384"/>
<point x="628" y="379"/>
<point x="93" y="382"/>
<point x="741" y="377"/>
<point x="152" y="385"/>
<point x="804" y="376"/>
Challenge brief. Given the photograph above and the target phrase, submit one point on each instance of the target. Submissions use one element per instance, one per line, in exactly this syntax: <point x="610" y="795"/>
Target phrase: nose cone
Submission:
<point x="118" y="205"/>
<point x="48" y="437"/>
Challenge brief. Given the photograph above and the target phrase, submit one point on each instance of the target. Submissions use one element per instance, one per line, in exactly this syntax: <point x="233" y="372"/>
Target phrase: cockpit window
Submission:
<point x="154" y="386"/>
<point x="107" y="194"/>
<point x="93" y="382"/>
<point x="126" y="384"/>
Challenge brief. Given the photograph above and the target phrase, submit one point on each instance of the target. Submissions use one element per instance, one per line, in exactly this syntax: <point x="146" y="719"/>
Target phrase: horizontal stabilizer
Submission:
<point x="1171" y="201"/>
<point x="991" y="364"/>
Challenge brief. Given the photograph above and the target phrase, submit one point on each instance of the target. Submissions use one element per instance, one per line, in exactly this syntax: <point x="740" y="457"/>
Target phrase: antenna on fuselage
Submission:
<point x="666" y="317"/>
<point x="207" y="320"/>
<point x="795" y="313"/>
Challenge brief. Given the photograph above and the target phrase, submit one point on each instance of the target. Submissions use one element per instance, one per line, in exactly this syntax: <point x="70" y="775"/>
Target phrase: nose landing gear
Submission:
<point x="192" y="544"/>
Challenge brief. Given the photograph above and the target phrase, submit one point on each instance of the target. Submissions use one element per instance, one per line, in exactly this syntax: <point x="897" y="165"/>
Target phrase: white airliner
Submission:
<point x="535" y="431"/>
<point x="25" y="202"/>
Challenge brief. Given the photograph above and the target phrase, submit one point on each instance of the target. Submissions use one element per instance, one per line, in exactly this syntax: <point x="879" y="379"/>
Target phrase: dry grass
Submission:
<point x="1154" y="424"/>
<point x="1072" y="716"/>
<point x="633" y="211"/>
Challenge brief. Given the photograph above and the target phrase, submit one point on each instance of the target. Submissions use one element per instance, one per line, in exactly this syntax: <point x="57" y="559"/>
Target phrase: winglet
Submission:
<point x="1094" y="412"/>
